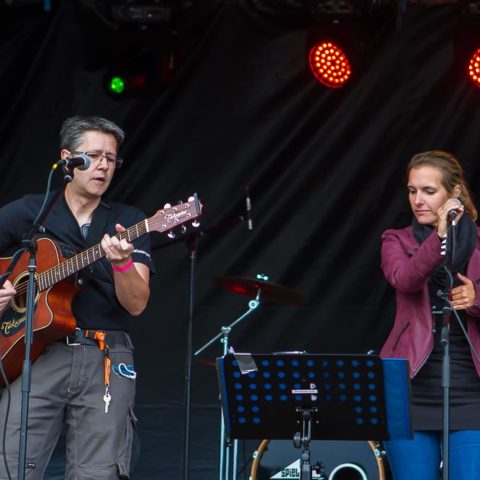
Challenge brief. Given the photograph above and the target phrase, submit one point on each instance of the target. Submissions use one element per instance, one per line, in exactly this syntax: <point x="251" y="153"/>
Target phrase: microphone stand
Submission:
<point x="472" y="349"/>
<point x="29" y="243"/>
<point x="192" y="245"/>
<point x="445" y="341"/>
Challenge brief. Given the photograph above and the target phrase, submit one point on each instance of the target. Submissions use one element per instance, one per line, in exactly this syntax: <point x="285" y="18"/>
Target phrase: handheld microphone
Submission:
<point x="82" y="162"/>
<point x="248" y="209"/>
<point x="453" y="213"/>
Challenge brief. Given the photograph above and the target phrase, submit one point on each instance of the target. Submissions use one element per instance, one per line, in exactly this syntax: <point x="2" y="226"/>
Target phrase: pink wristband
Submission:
<point x="123" y="268"/>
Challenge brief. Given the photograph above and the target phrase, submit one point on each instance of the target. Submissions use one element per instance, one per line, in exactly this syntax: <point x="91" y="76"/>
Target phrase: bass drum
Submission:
<point x="341" y="460"/>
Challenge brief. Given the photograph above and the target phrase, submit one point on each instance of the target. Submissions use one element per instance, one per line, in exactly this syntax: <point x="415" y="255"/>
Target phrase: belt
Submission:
<point x="85" y="337"/>
<point x="104" y="341"/>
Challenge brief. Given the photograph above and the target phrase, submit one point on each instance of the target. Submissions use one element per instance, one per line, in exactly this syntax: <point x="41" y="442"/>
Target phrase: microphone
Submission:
<point x="248" y="209"/>
<point x="82" y="162"/>
<point x="453" y="213"/>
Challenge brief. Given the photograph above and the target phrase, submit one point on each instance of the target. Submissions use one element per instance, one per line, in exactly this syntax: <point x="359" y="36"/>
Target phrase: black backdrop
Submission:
<point x="325" y="171"/>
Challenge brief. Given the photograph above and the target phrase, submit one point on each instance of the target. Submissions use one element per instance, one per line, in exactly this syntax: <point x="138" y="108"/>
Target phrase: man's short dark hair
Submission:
<point x="73" y="128"/>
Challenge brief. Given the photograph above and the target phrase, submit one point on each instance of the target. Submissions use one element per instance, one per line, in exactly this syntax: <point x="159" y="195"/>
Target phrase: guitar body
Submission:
<point x="53" y="318"/>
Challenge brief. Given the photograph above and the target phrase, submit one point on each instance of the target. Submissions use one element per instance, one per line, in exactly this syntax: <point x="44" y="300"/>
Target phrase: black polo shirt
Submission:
<point x="96" y="305"/>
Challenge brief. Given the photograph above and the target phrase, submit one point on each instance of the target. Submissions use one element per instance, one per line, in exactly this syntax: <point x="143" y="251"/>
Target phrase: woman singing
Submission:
<point x="434" y="268"/>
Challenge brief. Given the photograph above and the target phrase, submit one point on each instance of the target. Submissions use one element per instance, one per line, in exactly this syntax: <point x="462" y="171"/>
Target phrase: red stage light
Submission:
<point x="474" y="68"/>
<point x="329" y="64"/>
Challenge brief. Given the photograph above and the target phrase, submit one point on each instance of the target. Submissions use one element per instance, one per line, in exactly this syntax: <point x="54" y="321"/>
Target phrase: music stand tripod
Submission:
<point x="225" y="447"/>
<point x="332" y="397"/>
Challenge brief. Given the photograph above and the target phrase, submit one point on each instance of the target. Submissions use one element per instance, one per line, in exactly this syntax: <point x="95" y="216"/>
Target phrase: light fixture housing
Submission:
<point x="474" y="68"/>
<point x="329" y="64"/>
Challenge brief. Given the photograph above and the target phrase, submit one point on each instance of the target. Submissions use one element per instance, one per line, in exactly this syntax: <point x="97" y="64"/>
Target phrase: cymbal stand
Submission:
<point x="225" y="447"/>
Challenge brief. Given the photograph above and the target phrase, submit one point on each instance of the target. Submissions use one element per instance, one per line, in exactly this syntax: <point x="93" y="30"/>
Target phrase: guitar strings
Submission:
<point x="152" y="222"/>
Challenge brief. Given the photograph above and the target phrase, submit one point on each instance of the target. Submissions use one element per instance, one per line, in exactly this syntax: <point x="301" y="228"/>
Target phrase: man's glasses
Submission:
<point x="96" y="157"/>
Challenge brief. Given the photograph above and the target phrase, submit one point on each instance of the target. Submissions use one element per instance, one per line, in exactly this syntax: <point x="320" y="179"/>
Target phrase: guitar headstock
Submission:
<point x="172" y="216"/>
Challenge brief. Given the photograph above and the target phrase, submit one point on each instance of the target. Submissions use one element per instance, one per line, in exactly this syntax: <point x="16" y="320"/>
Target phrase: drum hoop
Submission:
<point x="258" y="454"/>
<point x="378" y="458"/>
<point x="263" y="445"/>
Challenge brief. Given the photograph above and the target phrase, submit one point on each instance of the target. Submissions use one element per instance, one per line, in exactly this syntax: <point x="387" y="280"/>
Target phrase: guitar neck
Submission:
<point x="163" y="220"/>
<point x="87" y="257"/>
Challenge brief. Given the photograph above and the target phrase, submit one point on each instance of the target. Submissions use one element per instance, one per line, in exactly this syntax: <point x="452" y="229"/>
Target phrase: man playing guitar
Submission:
<point x="86" y="380"/>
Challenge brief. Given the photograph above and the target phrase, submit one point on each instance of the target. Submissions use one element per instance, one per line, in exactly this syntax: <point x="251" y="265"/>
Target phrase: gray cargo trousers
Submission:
<point x="68" y="386"/>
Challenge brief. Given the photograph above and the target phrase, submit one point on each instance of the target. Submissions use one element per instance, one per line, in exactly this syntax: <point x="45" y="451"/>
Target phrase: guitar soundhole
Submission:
<point x="19" y="301"/>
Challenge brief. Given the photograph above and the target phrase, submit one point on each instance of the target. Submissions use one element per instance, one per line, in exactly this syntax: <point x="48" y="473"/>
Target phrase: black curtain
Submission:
<point x="238" y="108"/>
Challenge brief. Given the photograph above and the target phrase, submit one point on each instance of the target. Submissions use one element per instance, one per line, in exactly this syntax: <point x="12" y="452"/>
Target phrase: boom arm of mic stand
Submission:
<point x="252" y="304"/>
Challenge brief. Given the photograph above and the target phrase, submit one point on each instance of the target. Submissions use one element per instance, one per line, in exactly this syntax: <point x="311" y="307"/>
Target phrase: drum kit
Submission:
<point x="340" y="460"/>
<point x="279" y="459"/>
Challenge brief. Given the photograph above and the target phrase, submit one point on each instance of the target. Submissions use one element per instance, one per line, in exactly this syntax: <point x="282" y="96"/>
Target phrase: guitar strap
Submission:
<point x="94" y="236"/>
<point x="99" y="222"/>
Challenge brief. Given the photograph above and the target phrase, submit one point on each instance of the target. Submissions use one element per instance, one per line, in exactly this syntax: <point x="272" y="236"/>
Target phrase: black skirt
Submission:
<point x="427" y="391"/>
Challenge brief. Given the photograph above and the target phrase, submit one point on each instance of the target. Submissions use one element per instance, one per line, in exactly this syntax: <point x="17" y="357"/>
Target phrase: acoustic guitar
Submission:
<point x="55" y="289"/>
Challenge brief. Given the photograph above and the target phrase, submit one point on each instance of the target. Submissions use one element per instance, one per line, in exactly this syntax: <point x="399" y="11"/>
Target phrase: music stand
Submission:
<point x="304" y="397"/>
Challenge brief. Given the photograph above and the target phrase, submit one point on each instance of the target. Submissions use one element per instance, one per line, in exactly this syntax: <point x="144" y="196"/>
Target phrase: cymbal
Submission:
<point x="269" y="292"/>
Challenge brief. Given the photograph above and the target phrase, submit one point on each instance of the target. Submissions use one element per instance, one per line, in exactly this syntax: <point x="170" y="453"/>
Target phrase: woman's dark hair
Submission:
<point x="452" y="175"/>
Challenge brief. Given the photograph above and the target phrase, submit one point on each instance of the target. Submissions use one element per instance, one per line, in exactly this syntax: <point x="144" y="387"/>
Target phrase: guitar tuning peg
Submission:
<point x="191" y="199"/>
<point x="171" y="234"/>
<point x="195" y="224"/>
<point x="183" y="228"/>
<point x="167" y="205"/>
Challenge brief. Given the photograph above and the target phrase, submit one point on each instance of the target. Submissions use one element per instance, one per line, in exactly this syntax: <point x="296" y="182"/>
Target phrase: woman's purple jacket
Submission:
<point x="407" y="265"/>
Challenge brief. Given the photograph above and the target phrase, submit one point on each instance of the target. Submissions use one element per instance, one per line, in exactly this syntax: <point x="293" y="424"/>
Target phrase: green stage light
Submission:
<point x="117" y="85"/>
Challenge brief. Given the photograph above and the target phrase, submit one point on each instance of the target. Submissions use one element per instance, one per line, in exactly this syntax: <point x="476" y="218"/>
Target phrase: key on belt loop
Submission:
<point x="101" y="337"/>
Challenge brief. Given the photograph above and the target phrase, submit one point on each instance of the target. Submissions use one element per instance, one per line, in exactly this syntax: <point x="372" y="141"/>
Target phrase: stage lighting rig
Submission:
<point x="468" y="41"/>
<point x="329" y="64"/>
<point x="148" y="13"/>
<point x="46" y="5"/>
<point x="334" y="9"/>
<point x="140" y="71"/>
<point x="153" y="13"/>
<point x="474" y="68"/>
<point x="470" y="8"/>
<point x="333" y="41"/>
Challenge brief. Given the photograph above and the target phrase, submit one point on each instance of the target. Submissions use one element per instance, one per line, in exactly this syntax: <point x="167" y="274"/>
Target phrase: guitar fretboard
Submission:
<point x="162" y="221"/>
<point x="87" y="257"/>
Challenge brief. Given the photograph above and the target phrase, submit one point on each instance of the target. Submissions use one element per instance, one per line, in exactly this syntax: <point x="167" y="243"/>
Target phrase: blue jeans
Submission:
<point x="420" y="458"/>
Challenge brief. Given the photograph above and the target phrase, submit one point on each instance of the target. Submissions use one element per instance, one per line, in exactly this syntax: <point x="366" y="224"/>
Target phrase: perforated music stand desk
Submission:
<point x="351" y="397"/>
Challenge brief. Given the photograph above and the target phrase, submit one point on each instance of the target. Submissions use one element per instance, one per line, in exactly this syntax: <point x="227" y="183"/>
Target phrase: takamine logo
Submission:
<point x="10" y="327"/>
